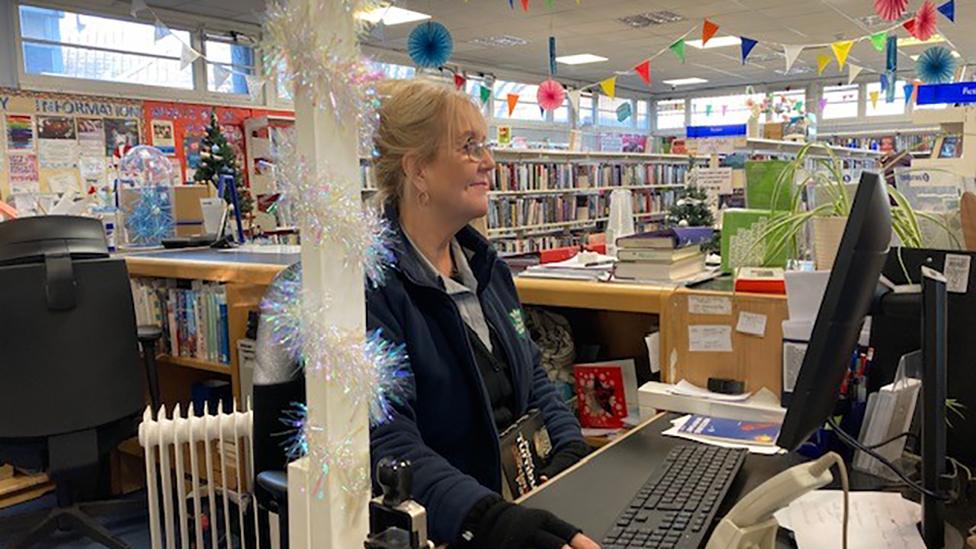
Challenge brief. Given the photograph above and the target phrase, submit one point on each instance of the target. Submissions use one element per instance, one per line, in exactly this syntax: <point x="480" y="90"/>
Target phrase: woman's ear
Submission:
<point x="414" y="171"/>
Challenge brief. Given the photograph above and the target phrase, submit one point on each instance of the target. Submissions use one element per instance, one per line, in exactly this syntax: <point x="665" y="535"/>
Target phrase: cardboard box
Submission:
<point x="773" y="130"/>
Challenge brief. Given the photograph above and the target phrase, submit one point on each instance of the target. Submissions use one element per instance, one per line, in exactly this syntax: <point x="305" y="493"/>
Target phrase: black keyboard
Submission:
<point x="676" y="505"/>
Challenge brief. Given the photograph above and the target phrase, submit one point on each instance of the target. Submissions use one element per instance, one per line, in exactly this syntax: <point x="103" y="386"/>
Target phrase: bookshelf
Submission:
<point x="549" y="198"/>
<point x="918" y="141"/>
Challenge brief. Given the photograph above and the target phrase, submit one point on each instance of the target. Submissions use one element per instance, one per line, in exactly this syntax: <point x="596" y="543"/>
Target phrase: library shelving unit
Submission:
<point x="543" y="199"/>
<point x="958" y="124"/>
<point x="918" y="140"/>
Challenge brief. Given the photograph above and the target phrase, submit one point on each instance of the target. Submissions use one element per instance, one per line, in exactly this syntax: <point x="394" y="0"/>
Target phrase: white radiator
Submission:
<point x="225" y="440"/>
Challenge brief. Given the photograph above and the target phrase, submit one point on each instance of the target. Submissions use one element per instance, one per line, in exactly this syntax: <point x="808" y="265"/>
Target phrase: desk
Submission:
<point x="592" y="493"/>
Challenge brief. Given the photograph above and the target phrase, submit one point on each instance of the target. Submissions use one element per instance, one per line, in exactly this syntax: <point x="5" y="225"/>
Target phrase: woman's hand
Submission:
<point x="580" y="541"/>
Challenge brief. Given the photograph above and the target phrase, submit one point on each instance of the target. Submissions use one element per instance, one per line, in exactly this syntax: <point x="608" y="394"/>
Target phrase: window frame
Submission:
<point x="858" y="103"/>
<point x="66" y="84"/>
<point x="229" y="39"/>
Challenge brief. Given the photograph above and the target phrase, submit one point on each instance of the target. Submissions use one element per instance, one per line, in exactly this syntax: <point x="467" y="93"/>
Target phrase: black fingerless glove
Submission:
<point x="494" y="523"/>
<point x="566" y="457"/>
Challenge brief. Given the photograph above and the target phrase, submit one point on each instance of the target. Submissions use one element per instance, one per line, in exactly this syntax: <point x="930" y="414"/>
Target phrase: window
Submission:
<point x="722" y="110"/>
<point x="643" y="114"/>
<point x="585" y="115"/>
<point x="73" y="45"/>
<point x="229" y="63"/>
<point x="397" y="72"/>
<point x="527" y="108"/>
<point x="283" y="88"/>
<point x="883" y="108"/>
<point x="608" y="112"/>
<point x="840" y="102"/>
<point x="670" y="114"/>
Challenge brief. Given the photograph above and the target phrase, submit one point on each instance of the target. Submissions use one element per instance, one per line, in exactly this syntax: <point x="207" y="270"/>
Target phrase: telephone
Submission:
<point x="751" y="525"/>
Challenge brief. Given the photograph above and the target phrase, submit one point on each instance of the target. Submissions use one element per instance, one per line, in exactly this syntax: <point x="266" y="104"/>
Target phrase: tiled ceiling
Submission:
<point x="593" y="26"/>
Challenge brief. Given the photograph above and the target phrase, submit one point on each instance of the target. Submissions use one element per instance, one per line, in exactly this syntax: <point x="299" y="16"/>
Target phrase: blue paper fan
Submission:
<point x="430" y="44"/>
<point x="936" y="65"/>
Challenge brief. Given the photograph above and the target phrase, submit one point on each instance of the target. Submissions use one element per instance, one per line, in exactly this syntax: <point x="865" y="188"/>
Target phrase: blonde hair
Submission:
<point x="416" y="116"/>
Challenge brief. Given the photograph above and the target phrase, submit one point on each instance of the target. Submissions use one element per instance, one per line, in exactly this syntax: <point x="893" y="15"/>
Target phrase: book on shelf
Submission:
<point x="671" y="238"/>
<point x="660" y="270"/>
<point x="192" y="315"/>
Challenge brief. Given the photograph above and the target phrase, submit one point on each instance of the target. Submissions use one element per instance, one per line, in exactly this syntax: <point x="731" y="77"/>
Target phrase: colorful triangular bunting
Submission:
<point x="708" y="31"/>
<point x="910" y="26"/>
<point x="822" y="62"/>
<point x="874" y="98"/>
<point x="512" y="102"/>
<point x="525" y="5"/>
<point x="220" y="74"/>
<point x="949" y="10"/>
<point x="644" y="71"/>
<point x="137" y="6"/>
<point x="678" y="48"/>
<point x="161" y="31"/>
<point x="909" y="88"/>
<point x="792" y="53"/>
<point x="609" y="87"/>
<point x="841" y="50"/>
<point x="574" y="99"/>
<point x="747" y="45"/>
<point x="485" y="92"/>
<point x="823" y="104"/>
<point x="187" y="56"/>
<point x="459" y="80"/>
<point x="852" y="72"/>
<point x="878" y="40"/>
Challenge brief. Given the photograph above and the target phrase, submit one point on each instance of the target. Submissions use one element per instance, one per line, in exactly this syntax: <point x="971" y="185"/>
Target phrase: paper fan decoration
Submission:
<point x="936" y="65"/>
<point x="430" y="44"/>
<point x="925" y="19"/>
<point x="551" y="95"/>
<point x="890" y="10"/>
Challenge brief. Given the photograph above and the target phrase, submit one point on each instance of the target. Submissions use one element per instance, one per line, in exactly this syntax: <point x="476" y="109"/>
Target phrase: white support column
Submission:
<point x="336" y="520"/>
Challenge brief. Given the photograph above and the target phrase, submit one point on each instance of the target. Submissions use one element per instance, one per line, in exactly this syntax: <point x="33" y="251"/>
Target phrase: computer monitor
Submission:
<point x="29" y="239"/>
<point x="850" y="291"/>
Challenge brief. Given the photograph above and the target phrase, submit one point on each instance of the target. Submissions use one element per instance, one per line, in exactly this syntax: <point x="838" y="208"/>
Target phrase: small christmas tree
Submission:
<point x="691" y="209"/>
<point x="216" y="157"/>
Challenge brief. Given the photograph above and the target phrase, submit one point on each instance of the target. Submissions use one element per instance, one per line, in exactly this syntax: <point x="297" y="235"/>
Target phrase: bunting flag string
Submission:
<point x="512" y="102"/>
<point x="792" y="53"/>
<point x="137" y="6"/>
<point x="852" y="72"/>
<point x="574" y="99"/>
<point x="841" y="50"/>
<point x="878" y="40"/>
<point x="161" y="31"/>
<point x="459" y="81"/>
<point x="609" y="87"/>
<point x="747" y="44"/>
<point x="949" y="10"/>
<point x="221" y="74"/>
<point x="873" y="95"/>
<point x="643" y="69"/>
<point x="187" y="56"/>
<point x="708" y="31"/>
<point x="909" y="88"/>
<point x="822" y="62"/>
<point x="678" y="48"/>
<point x="525" y="5"/>
<point x="485" y="93"/>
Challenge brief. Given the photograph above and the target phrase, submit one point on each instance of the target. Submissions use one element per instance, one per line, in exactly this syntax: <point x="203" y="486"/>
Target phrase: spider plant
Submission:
<point x="784" y="228"/>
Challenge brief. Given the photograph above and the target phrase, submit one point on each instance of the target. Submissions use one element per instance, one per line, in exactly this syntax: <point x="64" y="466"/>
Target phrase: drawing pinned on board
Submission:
<point x="20" y="132"/>
<point x="91" y="137"/>
<point x="162" y="136"/>
<point x="23" y="173"/>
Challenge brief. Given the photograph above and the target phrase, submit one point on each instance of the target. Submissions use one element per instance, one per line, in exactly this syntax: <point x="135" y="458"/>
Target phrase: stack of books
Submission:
<point x="669" y="254"/>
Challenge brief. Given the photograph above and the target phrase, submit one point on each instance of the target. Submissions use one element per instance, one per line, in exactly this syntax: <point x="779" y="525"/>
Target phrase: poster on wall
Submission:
<point x="235" y="138"/>
<point x="162" y="136"/>
<point x="23" y="173"/>
<point x="92" y="170"/>
<point x="120" y="132"/>
<point x="20" y="132"/>
<point x="91" y="137"/>
<point x="57" y="145"/>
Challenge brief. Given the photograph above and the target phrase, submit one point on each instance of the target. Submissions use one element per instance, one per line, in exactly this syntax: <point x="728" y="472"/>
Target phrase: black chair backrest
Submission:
<point x="69" y="357"/>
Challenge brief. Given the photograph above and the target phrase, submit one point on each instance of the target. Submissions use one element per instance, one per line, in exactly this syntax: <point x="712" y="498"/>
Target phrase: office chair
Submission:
<point x="279" y="384"/>
<point x="72" y="387"/>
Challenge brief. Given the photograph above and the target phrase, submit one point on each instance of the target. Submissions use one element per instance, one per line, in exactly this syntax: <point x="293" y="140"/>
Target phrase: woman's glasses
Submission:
<point x="476" y="151"/>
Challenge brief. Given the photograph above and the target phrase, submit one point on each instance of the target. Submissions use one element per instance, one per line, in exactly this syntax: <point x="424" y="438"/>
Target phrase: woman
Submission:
<point x="453" y="302"/>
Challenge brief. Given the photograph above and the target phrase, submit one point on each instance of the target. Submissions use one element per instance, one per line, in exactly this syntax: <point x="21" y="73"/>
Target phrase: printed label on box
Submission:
<point x="752" y="324"/>
<point x="709" y="305"/>
<point x="705" y="338"/>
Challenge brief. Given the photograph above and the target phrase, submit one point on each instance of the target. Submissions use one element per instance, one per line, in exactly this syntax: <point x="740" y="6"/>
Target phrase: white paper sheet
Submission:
<point x="710" y="338"/>
<point x="752" y="324"/>
<point x="957" y="273"/>
<point x="709" y="305"/>
<point x="687" y="388"/>
<point x="877" y="519"/>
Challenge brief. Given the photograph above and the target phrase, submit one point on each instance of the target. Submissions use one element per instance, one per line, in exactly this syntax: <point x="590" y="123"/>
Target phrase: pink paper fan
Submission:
<point x="890" y="10"/>
<point x="551" y="95"/>
<point x="925" y="20"/>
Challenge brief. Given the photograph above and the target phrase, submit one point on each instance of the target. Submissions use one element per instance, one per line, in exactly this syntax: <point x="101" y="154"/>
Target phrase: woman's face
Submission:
<point x="459" y="177"/>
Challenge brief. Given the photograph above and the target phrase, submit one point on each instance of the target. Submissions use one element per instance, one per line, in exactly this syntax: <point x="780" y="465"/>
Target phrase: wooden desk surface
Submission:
<point x="581" y="294"/>
<point x="206" y="264"/>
